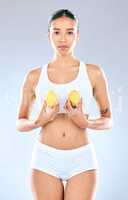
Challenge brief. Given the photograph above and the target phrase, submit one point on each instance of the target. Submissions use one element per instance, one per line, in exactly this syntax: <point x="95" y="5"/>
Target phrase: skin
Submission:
<point x="66" y="134"/>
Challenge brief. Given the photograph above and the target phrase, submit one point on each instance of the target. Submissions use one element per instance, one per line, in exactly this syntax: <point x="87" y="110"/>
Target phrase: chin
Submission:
<point x="63" y="52"/>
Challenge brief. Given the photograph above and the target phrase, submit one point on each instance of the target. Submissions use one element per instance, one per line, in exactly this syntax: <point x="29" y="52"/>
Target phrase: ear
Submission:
<point x="48" y="35"/>
<point x="78" y="35"/>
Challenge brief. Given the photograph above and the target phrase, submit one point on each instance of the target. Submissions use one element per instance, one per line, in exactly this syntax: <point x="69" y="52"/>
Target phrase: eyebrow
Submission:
<point x="66" y="29"/>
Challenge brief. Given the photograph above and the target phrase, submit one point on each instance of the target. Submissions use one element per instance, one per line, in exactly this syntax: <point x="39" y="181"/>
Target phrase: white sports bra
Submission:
<point x="81" y="83"/>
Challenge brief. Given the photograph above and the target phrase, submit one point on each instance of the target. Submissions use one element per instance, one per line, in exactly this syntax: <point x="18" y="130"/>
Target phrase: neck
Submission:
<point x="63" y="59"/>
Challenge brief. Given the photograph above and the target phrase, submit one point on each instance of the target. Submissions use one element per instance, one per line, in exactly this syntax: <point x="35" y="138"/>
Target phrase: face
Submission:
<point x="63" y="35"/>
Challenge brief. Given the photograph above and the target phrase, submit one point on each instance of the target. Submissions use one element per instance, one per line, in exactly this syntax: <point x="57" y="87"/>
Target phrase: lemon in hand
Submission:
<point x="51" y="98"/>
<point x="74" y="97"/>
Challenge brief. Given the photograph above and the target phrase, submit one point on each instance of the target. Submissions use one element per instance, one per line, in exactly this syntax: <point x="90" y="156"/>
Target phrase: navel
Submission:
<point x="63" y="134"/>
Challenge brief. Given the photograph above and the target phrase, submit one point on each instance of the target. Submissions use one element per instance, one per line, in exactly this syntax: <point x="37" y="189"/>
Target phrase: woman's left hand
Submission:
<point x="73" y="111"/>
<point x="76" y="114"/>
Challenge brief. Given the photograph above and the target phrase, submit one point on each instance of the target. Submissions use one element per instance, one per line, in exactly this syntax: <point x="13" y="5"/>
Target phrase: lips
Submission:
<point x="62" y="46"/>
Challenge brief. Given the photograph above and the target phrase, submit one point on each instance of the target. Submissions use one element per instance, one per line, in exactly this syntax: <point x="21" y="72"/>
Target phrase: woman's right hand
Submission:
<point x="47" y="114"/>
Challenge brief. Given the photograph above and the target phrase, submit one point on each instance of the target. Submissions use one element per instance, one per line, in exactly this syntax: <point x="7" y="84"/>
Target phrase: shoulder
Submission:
<point x="33" y="73"/>
<point x="31" y="77"/>
<point x="95" y="72"/>
<point x="94" y="68"/>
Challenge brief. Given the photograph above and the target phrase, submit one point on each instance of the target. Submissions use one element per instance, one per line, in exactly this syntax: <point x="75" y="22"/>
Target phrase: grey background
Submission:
<point x="24" y="45"/>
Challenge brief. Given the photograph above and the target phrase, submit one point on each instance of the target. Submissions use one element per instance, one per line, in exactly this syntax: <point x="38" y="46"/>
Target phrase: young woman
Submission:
<point x="63" y="152"/>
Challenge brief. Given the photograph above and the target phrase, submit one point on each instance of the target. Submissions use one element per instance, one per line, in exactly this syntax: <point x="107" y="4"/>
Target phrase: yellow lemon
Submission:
<point x="51" y="98"/>
<point x="74" y="97"/>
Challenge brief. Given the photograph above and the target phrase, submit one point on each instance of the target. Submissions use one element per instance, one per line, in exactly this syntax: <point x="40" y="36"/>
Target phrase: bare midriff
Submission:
<point x="62" y="133"/>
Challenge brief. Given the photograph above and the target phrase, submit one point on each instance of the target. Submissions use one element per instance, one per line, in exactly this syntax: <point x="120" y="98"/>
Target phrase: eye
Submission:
<point x="56" y="32"/>
<point x="70" y="32"/>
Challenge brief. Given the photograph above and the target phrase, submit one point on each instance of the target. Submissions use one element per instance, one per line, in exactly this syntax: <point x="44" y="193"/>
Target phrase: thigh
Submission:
<point x="81" y="186"/>
<point x="45" y="186"/>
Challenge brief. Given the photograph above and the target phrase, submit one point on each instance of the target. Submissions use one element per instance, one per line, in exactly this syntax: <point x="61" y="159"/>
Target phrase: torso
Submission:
<point x="62" y="133"/>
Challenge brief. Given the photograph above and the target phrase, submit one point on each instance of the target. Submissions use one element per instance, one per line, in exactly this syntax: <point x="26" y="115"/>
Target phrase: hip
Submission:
<point x="46" y="156"/>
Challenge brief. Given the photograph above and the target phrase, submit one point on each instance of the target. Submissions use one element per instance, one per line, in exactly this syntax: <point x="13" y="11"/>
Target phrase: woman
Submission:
<point x="63" y="152"/>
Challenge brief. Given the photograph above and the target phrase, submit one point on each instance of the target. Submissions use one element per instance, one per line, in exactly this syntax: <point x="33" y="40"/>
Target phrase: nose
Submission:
<point x="63" y="37"/>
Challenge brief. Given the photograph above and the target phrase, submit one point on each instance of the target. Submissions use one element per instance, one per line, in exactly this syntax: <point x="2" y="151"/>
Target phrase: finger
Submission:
<point x="49" y="110"/>
<point x="66" y="106"/>
<point x="44" y="105"/>
<point x="57" y="105"/>
<point x="80" y="102"/>
<point x="57" y="109"/>
<point x="66" y="103"/>
<point x="69" y="105"/>
<point x="79" y="106"/>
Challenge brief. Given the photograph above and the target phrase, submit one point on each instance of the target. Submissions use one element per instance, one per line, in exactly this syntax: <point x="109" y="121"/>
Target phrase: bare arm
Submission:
<point x="101" y="95"/>
<point x="27" y="98"/>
